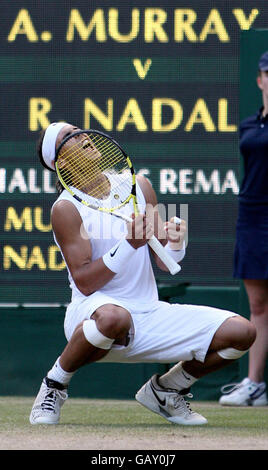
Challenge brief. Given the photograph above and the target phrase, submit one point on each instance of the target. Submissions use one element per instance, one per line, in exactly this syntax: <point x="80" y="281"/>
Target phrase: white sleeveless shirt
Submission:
<point x="136" y="283"/>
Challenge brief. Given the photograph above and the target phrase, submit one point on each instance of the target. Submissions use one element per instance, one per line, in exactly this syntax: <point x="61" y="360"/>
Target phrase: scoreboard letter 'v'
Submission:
<point x="141" y="69"/>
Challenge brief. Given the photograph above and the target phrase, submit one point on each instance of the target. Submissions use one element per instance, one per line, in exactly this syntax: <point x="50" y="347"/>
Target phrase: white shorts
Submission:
<point x="165" y="334"/>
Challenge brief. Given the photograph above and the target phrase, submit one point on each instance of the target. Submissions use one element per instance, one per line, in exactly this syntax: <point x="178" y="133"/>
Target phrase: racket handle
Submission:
<point x="158" y="248"/>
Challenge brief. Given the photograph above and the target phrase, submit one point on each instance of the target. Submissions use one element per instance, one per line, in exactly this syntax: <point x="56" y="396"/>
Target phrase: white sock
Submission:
<point x="59" y="375"/>
<point x="176" y="378"/>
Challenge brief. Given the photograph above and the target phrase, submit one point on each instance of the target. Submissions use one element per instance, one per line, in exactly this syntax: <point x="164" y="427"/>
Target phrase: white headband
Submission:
<point x="49" y="142"/>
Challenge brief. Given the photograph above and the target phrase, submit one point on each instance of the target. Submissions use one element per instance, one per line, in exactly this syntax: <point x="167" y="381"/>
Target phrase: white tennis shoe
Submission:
<point x="168" y="403"/>
<point x="47" y="405"/>
<point x="246" y="393"/>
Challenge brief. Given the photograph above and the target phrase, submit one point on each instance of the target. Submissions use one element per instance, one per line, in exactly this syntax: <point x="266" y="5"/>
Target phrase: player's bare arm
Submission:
<point x="88" y="275"/>
<point x="165" y="232"/>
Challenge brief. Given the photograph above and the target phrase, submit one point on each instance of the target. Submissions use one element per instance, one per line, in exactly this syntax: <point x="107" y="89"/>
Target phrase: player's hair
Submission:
<point x="59" y="186"/>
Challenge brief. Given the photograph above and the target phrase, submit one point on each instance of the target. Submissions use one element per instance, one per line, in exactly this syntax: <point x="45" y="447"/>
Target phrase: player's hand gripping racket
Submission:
<point x="97" y="172"/>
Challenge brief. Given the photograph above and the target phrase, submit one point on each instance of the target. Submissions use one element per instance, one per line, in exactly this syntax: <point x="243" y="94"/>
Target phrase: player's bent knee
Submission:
<point x="236" y="332"/>
<point x="95" y="337"/>
<point x="240" y="337"/>
<point x="243" y="336"/>
<point x="248" y="334"/>
<point x="112" y="320"/>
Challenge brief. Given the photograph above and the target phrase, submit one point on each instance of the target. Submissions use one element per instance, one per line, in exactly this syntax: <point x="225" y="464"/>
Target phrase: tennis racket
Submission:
<point x="97" y="172"/>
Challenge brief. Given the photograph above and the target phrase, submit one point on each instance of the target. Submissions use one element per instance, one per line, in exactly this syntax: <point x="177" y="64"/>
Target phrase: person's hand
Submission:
<point x="140" y="230"/>
<point x="176" y="233"/>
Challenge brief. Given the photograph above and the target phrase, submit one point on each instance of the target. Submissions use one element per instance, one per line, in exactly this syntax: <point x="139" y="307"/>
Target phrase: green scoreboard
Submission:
<point x="161" y="77"/>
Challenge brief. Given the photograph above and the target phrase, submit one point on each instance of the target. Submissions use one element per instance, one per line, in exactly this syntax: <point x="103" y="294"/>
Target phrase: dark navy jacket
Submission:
<point x="254" y="149"/>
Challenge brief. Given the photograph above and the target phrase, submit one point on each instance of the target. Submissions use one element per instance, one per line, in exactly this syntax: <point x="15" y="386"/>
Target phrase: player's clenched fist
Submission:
<point x="139" y="230"/>
<point x="176" y="230"/>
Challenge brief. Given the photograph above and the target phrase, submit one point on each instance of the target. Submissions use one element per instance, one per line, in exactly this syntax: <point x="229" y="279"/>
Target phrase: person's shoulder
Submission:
<point x="64" y="211"/>
<point x="143" y="181"/>
<point x="65" y="202"/>
<point x="249" y="120"/>
<point x="147" y="189"/>
<point x="62" y="205"/>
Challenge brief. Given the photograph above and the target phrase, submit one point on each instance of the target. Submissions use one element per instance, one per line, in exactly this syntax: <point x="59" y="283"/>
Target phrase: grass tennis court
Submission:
<point x="116" y="425"/>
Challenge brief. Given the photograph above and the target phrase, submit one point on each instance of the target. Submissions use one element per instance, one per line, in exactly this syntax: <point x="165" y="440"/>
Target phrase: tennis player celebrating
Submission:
<point x="115" y="314"/>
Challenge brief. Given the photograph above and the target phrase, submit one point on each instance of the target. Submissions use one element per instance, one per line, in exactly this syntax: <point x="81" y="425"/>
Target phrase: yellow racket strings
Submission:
<point x="79" y="157"/>
<point x="102" y="145"/>
<point x="87" y="178"/>
<point x="83" y="165"/>
<point x="87" y="162"/>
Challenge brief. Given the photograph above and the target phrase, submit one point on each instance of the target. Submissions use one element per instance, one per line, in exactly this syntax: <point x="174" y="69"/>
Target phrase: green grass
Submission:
<point x="112" y="424"/>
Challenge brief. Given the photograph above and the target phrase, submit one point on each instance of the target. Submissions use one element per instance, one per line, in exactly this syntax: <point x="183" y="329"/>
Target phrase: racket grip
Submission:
<point x="158" y="248"/>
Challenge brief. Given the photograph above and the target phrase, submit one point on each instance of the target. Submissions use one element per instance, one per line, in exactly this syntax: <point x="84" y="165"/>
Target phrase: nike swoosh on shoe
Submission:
<point x="162" y="402"/>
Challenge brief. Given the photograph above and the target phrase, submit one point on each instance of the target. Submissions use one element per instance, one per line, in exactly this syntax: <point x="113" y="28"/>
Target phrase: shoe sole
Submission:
<point x="41" y="421"/>
<point x="243" y="404"/>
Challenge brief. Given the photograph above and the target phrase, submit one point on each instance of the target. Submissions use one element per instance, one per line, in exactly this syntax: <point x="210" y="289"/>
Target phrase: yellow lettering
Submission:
<point x="142" y="70"/>
<point x="106" y="120"/>
<point x="13" y="220"/>
<point x="245" y="23"/>
<point x="154" y="18"/>
<point x="38" y="110"/>
<point x="36" y="258"/>
<point x="77" y="22"/>
<point x="113" y="26"/>
<point x="132" y="115"/>
<point x="200" y="115"/>
<point x="214" y="25"/>
<point x="183" y="20"/>
<point x="53" y="251"/>
<point x="157" y="111"/>
<point x="223" y="125"/>
<point x="38" y="220"/>
<point x="23" y="25"/>
<point x="9" y="255"/>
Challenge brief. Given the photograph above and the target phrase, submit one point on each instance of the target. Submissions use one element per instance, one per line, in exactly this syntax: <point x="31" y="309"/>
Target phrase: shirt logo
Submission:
<point x="113" y="253"/>
<point x="187" y="378"/>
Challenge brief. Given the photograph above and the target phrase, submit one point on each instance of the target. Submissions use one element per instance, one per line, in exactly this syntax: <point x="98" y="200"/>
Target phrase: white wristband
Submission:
<point x="117" y="257"/>
<point x="177" y="255"/>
